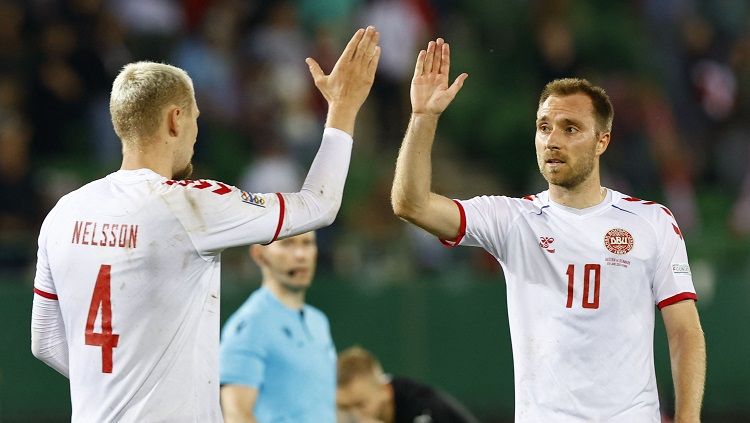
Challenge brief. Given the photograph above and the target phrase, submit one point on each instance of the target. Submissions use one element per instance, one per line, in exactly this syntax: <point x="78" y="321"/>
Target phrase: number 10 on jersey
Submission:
<point x="101" y="299"/>
<point x="591" y="273"/>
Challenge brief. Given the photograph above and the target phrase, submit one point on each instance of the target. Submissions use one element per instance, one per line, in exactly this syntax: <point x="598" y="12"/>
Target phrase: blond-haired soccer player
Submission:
<point x="585" y="266"/>
<point x="127" y="281"/>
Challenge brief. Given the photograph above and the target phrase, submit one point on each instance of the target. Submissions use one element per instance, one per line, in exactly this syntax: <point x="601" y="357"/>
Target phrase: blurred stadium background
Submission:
<point x="678" y="72"/>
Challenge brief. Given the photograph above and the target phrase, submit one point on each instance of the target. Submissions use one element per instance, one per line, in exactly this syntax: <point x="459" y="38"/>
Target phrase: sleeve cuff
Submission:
<point x="461" y="228"/>
<point x="45" y="294"/>
<point x="337" y="133"/>
<point x="282" y="211"/>
<point x="676" y="299"/>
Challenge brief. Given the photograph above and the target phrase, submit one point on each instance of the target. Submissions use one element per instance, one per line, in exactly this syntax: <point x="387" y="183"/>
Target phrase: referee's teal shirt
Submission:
<point x="287" y="354"/>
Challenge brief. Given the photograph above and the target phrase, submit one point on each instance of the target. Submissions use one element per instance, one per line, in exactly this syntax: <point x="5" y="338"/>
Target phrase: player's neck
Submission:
<point x="586" y="194"/>
<point x="292" y="299"/>
<point x="147" y="158"/>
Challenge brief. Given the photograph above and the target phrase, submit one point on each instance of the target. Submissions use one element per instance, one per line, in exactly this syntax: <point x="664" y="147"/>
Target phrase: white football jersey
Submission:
<point x="582" y="286"/>
<point x="128" y="268"/>
<point x="133" y="259"/>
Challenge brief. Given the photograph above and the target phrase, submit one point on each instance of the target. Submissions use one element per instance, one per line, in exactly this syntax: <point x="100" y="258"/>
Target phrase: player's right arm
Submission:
<point x="411" y="197"/>
<point x="48" y="341"/>
<point x="237" y="403"/>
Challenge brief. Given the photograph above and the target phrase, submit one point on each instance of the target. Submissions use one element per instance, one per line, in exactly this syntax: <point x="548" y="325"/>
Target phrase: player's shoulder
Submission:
<point x="656" y="214"/>
<point x="84" y="190"/>
<point x="531" y="202"/>
<point x="210" y="190"/>
<point x="79" y="197"/>
<point x="208" y="187"/>
<point x="647" y="209"/>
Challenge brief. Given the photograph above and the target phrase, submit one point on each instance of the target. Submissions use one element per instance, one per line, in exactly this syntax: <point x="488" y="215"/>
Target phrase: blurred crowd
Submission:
<point x="678" y="72"/>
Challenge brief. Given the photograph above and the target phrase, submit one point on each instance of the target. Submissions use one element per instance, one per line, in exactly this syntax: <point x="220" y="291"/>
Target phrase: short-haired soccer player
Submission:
<point x="585" y="266"/>
<point x="127" y="280"/>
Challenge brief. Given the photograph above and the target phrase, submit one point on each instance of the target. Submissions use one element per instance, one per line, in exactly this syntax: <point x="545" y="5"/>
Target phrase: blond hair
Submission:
<point x="139" y="94"/>
<point x="355" y="362"/>
<point x="603" y="111"/>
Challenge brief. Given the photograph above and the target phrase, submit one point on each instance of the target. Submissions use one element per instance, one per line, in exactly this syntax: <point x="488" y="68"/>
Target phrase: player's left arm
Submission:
<point x="687" y="352"/>
<point x="675" y="296"/>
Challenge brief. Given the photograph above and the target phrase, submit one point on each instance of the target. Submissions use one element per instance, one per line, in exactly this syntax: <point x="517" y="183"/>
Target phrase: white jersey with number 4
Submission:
<point x="133" y="260"/>
<point x="582" y="286"/>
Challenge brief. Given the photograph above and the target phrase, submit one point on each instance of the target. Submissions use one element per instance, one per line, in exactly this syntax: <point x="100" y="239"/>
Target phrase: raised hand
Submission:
<point x="348" y="84"/>
<point x="430" y="92"/>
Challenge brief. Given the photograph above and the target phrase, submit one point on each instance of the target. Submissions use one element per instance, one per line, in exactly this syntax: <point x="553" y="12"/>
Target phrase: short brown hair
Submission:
<point x="603" y="111"/>
<point x="140" y="92"/>
<point x="355" y="362"/>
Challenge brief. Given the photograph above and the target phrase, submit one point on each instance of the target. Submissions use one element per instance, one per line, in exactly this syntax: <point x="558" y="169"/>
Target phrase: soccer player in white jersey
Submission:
<point x="585" y="266"/>
<point x="126" y="300"/>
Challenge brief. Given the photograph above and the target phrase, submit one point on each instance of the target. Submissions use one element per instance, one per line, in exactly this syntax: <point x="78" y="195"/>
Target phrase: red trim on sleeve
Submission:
<point x="677" y="298"/>
<point x="45" y="294"/>
<point x="461" y="228"/>
<point x="282" y="209"/>
<point x="677" y="230"/>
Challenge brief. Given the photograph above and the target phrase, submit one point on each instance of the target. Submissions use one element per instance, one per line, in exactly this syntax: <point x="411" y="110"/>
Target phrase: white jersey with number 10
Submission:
<point x="582" y="286"/>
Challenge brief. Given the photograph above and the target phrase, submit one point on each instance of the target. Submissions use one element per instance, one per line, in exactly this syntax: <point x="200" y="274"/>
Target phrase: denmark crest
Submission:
<point x="618" y="241"/>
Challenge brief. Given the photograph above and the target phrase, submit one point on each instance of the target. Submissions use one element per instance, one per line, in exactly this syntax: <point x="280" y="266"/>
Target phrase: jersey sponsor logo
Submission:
<point x="99" y="234"/>
<point x="254" y="199"/>
<point x="545" y="242"/>
<point x="618" y="241"/>
<point x="681" y="269"/>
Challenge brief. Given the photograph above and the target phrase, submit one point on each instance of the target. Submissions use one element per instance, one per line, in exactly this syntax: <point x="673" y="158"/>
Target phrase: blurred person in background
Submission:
<point x="584" y="265"/>
<point x="365" y="393"/>
<point x="277" y="357"/>
<point x="126" y="300"/>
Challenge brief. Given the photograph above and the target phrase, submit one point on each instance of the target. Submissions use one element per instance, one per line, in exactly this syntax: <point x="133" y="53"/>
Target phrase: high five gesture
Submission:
<point x="348" y="84"/>
<point x="430" y="93"/>
<point x="411" y="196"/>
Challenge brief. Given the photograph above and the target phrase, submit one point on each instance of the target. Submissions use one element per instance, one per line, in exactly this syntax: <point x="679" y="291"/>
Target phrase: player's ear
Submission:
<point x="173" y="119"/>
<point x="602" y="142"/>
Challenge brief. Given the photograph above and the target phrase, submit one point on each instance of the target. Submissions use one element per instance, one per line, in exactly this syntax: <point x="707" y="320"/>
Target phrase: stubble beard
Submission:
<point x="571" y="177"/>
<point x="185" y="173"/>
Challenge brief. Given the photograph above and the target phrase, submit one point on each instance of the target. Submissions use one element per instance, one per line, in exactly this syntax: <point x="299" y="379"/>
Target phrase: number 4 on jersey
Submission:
<point x="101" y="298"/>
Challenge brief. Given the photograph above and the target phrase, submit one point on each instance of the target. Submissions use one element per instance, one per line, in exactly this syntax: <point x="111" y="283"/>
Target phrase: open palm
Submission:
<point x="430" y="91"/>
